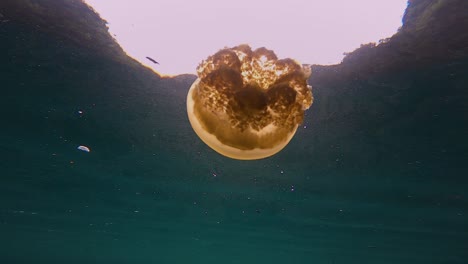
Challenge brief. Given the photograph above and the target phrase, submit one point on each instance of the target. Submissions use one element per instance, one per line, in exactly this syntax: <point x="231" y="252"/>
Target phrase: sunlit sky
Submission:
<point x="179" y="34"/>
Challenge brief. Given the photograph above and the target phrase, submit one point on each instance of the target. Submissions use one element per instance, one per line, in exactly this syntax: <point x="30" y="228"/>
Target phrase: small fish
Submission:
<point x="151" y="59"/>
<point x="83" y="148"/>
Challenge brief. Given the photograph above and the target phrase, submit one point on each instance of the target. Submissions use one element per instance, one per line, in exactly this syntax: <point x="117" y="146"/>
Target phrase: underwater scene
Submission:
<point x="251" y="159"/>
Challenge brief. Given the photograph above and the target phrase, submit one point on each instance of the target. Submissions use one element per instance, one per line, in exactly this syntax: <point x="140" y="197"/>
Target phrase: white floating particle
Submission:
<point x="84" y="148"/>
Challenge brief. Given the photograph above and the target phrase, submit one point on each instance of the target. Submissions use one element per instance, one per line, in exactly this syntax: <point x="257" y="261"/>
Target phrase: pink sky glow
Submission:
<point x="179" y="34"/>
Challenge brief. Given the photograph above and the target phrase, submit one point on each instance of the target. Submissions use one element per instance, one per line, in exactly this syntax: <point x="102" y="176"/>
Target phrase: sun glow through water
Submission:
<point x="178" y="34"/>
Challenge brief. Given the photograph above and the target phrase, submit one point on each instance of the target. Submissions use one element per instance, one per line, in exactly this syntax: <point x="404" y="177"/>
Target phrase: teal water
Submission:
<point x="377" y="174"/>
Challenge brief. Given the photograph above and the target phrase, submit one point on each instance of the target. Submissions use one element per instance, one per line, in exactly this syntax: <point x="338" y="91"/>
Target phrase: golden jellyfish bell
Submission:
<point x="248" y="104"/>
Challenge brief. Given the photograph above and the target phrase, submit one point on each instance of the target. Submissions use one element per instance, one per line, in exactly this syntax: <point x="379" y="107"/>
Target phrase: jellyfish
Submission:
<point x="247" y="104"/>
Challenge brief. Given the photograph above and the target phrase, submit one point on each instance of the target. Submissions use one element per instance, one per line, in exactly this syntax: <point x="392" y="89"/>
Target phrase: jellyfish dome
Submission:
<point x="248" y="104"/>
